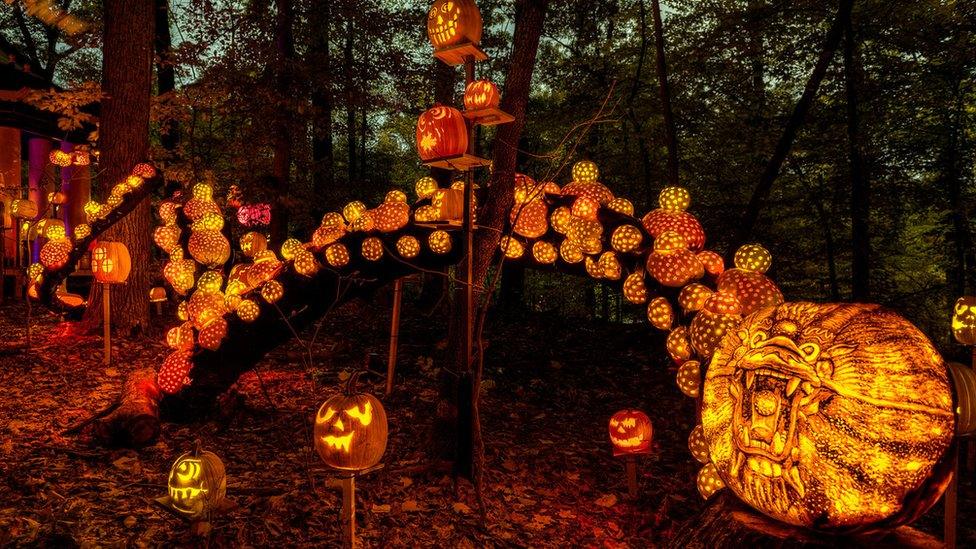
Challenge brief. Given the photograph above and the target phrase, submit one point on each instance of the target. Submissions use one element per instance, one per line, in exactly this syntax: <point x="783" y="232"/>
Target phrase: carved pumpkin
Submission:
<point x="753" y="289"/>
<point x="544" y="252"/>
<point x="350" y="430"/>
<point x="831" y="416"/>
<point x="964" y="380"/>
<point x="197" y="483"/>
<point x="659" y="221"/>
<point x="964" y="320"/>
<point x="173" y="373"/>
<point x="110" y="262"/>
<point x="672" y="263"/>
<point x="391" y="216"/>
<point x="448" y="204"/>
<point x="441" y="133"/>
<point x="720" y="313"/>
<point x="55" y="254"/>
<point x="481" y="94"/>
<point x="630" y="432"/>
<point x="453" y="22"/>
<point x="530" y="219"/>
<point x="167" y="237"/>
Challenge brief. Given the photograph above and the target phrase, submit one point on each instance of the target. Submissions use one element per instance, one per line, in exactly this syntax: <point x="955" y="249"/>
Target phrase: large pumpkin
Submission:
<point x="197" y="483"/>
<point x="110" y="262"/>
<point x="829" y="416"/>
<point x="350" y="430"/>
<point x="453" y="22"/>
<point x="441" y="133"/>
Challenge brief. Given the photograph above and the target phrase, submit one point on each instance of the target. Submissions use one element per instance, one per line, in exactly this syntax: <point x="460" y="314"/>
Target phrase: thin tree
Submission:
<point x="860" y="184"/>
<point x="320" y="62"/>
<point x="670" y="133"/>
<point x="281" y="161"/>
<point x="165" y="74"/>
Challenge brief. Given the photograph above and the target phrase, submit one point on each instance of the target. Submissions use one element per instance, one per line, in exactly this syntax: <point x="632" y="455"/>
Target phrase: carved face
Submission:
<point x="630" y="432"/>
<point x="481" y="94"/>
<point x="451" y="22"/>
<point x="441" y="132"/>
<point x="828" y="416"/>
<point x="964" y="320"/>
<point x="196" y="483"/>
<point x="350" y="431"/>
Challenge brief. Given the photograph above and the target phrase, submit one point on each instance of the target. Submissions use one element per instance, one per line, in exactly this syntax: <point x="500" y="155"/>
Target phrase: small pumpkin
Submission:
<point x="630" y="432"/>
<point x="481" y="94"/>
<point x="964" y="320"/>
<point x="197" y="483"/>
<point x="441" y="133"/>
<point x="350" y="429"/>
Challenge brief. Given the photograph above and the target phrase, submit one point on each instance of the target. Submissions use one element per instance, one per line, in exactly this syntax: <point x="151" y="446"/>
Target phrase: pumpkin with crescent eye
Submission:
<point x="630" y="432"/>
<point x="964" y="320"/>
<point x="350" y="430"/>
<point x="441" y="132"/>
<point x="452" y="22"/>
<point x="829" y="416"/>
<point x="197" y="483"/>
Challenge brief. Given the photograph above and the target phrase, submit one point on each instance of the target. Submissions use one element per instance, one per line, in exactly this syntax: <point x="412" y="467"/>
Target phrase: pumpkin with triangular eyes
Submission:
<point x="630" y="432"/>
<point x="350" y="431"/>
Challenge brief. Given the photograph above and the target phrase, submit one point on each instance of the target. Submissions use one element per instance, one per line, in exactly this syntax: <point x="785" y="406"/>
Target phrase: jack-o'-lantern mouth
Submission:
<point x="443" y="26"/>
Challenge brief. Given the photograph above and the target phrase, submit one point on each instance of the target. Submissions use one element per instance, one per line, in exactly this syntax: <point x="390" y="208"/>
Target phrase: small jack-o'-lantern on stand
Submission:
<point x="197" y="485"/>
<point x="350" y="435"/>
<point x="110" y="263"/>
<point x="631" y="433"/>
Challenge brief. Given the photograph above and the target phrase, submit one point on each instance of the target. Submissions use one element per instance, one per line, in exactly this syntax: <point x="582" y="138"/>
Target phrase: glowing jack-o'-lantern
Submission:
<point x="391" y="216"/>
<point x="452" y="22"/>
<point x="672" y="263"/>
<point x="110" y="262"/>
<point x="481" y="94"/>
<point x="630" y="432"/>
<point x="544" y="252"/>
<point x="964" y="320"/>
<point x="833" y="416"/>
<point x="55" y="254"/>
<point x="209" y="247"/>
<point x="408" y="246"/>
<point x="197" y="483"/>
<point x="350" y="430"/>
<point x="441" y="132"/>
<point x="530" y="219"/>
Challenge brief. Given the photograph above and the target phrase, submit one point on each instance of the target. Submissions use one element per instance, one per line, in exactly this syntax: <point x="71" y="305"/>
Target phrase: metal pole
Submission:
<point x="394" y="335"/>
<point x="107" y="323"/>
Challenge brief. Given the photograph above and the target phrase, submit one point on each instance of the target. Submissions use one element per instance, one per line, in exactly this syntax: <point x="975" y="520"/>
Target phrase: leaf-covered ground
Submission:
<point x="550" y="386"/>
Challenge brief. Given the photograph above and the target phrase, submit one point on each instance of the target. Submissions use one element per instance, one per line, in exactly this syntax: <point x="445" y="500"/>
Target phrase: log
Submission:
<point x="135" y="422"/>
<point x="727" y="522"/>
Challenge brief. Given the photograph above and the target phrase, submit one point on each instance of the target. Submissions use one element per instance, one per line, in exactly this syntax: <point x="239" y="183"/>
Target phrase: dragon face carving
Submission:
<point x="829" y="416"/>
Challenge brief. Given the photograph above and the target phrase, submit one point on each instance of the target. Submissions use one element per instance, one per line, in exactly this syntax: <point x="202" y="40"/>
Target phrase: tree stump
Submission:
<point x="725" y="522"/>
<point x="135" y="422"/>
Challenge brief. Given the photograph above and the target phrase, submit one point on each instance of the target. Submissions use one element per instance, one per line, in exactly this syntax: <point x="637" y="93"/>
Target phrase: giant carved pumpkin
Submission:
<point x="110" y="262"/>
<point x="453" y="22"/>
<point x="350" y="430"/>
<point x="197" y="483"/>
<point x="833" y="416"/>
<point x="441" y="133"/>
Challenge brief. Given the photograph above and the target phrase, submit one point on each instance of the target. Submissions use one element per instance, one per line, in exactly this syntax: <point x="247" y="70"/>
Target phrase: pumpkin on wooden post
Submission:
<point x="110" y="263"/>
<point x="630" y="433"/>
<point x="441" y="133"/>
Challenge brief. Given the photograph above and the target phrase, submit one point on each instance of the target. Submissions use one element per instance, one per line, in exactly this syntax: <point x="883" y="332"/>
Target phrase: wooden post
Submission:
<point x="630" y="464"/>
<point x="107" y="322"/>
<point x="469" y="234"/>
<point x="394" y="335"/>
<point x="348" y="517"/>
<point x="951" y="499"/>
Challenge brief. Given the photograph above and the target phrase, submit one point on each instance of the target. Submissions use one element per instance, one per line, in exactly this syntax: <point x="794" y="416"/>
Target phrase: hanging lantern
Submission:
<point x="441" y="132"/>
<point x="351" y="430"/>
<point x="197" y="483"/>
<point x="408" y="246"/>
<point x="481" y="94"/>
<point x="453" y="22"/>
<point x="630" y="432"/>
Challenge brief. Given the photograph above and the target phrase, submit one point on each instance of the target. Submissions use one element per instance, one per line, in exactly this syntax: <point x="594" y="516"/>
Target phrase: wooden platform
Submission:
<point x="461" y="163"/>
<point x="456" y="55"/>
<point x="491" y="116"/>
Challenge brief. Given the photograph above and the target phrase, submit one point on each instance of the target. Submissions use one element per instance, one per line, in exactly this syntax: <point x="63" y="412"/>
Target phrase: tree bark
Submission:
<point x="323" y="155"/>
<point x="281" y="162"/>
<point x="860" y="183"/>
<point x="124" y="141"/>
<point x="963" y="262"/>
<point x="635" y="121"/>
<point x="670" y="133"/>
<point x="785" y="143"/>
<point x="347" y="58"/>
<point x="165" y="74"/>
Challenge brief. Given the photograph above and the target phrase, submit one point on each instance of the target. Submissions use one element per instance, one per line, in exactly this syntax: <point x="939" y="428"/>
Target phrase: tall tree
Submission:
<point x="860" y="184"/>
<point x="319" y="57"/>
<point x="281" y="162"/>
<point x="350" y="89"/>
<point x="165" y="73"/>
<point x="670" y="133"/>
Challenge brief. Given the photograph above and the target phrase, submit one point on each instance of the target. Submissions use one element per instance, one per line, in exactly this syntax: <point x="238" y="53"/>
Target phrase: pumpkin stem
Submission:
<point x="197" y="447"/>
<point x="351" y="382"/>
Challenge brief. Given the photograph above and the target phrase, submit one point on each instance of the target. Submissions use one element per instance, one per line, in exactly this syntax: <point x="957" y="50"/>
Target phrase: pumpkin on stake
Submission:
<point x="350" y="429"/>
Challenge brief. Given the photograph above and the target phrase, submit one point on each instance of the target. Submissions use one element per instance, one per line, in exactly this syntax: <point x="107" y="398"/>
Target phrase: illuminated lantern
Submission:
<point x="57" y="197"/>
<point x="425" y="187"/>
<point x="180" y="337"/>
<point x="252" y="243"/>
<point x="964" y="320"/>
<point x="408" y="246"/>
<point x="167" y="211"/>
<point x="82" y="231"/>
<point x="672" y="263"/>
<point x="593" y="267"/>
<point x="621" y="205"/>
<point x="353" y="211"/>
<point x="173" y="373"/>
<point x="350" y="430"/>
<point x="714" y="264"/>
<point x="585" y="208"/>
<point x="610" y="266"/>
<point x="55" y="254"/>
<point x="337" y="255"/>
<point x="60" y="158"/>
<point x="697" y="445"/>
<point x="144" y="170"/>
<point x="570" y="252"/>
<point x="453" y="22"/>
<point x="593" y="191"/>
<point x="209" y="247"/>
<point x="248" y="310"/>
<point x="689" y="378"/>
<point x="693" y="296"/>
<point x="630" y="433"/>
<point x="441" y="133"/>
<point x="395" y="195"/>
<point x="110" y="262"/>
<point x="372" y="248"/>
<point x="585" y="171"/>
<point x="272" y="291"/>
<point x="560" y="219"/>
<point x="481" y="94"/>
<point x="634" y="289"/>
<point x="197" y="483"/>
<point x="323" y="236"/>
<point x="709" y="481"/>
<point x="544" y="252"/>
<point x="180" y="274"/>
<point x="753" y="258"/>
<point x="363" y="223"/>
<point x="964" y="380"/>
<point x="659" y="313"/>
<point x="425" y="214"/>
<point x="678" y="344"/>
<point x="290" y="248"/>
<point x="718" y="315"/>
<point x="513" y="249"/>
<point x="252" y="215"/>
<point x="305" y="263"/>
<point x="23" y="209"/>
<point x="753" y="289"/>
<point x="439" y="242"/>
<point x="212" y="334"/>
<point x="391" y="216"/>
<point x="167" y="237"/>
<point x="529" y="219"/>
<point x="626" y="238"/>
<point x="210" y="282"/>
<point x="829" y="416"/>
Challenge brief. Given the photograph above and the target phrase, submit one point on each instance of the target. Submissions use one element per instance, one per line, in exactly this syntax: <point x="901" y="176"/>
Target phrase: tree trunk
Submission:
<point x="124" y="141"/>
<point x="323" y="156"/>
<point x="670" y="134"/>
<point x="959" y="240"/>
<point x="860" y="184"/>
<point x="281" y="162"/>
<point x="785" y="143"/>
<point x="635" y="121"/>
<point x="165" y="75"/>
<point x="347" y="58"/>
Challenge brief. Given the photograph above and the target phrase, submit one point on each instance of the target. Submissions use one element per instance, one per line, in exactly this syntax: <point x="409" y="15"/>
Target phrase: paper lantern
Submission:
<point x="372" y="248"/>
<point x="350" y="430"/>
<point x="391" y="216"/>
<point x="630" y="432"/>
<point x="252" y="243"/>
<point x="621" y="205"/>
<point x="660" y="314"/>
<point x="964" y="320"/>
<point x="213" y="334"/>
<point x="439" y="242"/>
<point x="689" y="378"/>
<point x="678" y="344"/>
<point x="173" y="373"/>
<point x="425" y="187"/>
<point x="544" y="252"/>
<point x="110" y="262"/>
<point x="209" y="247"/>
<point x="23" y="209"/>
<point x="167" y="237"/>
<point x="60" y="158"/>
<point x="829" y="416"/>
<point x="197" y="483"/>
<point x="408" y="246"/>
<point x="248" y="310"/>
<point x="626" y="238"/>
<point x="753" y="258"/>
<point x="697" y="445"/>
<point x="82" y="231"/>
<point x="585" y="171"/>
<point x="709" y="482"/>
<point x="634" y="289"/>
<point x="441" y="132"/>
<point x="481" y="94"/>
<point x="964" y="381"/>
<point x="511" y="248"/>
<point x="272" y="291"/>
<point x="570" y="252"/>
<point x="530" y="219"/>
<point x="672" y="263"/>
<point x="453" y="22"/>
